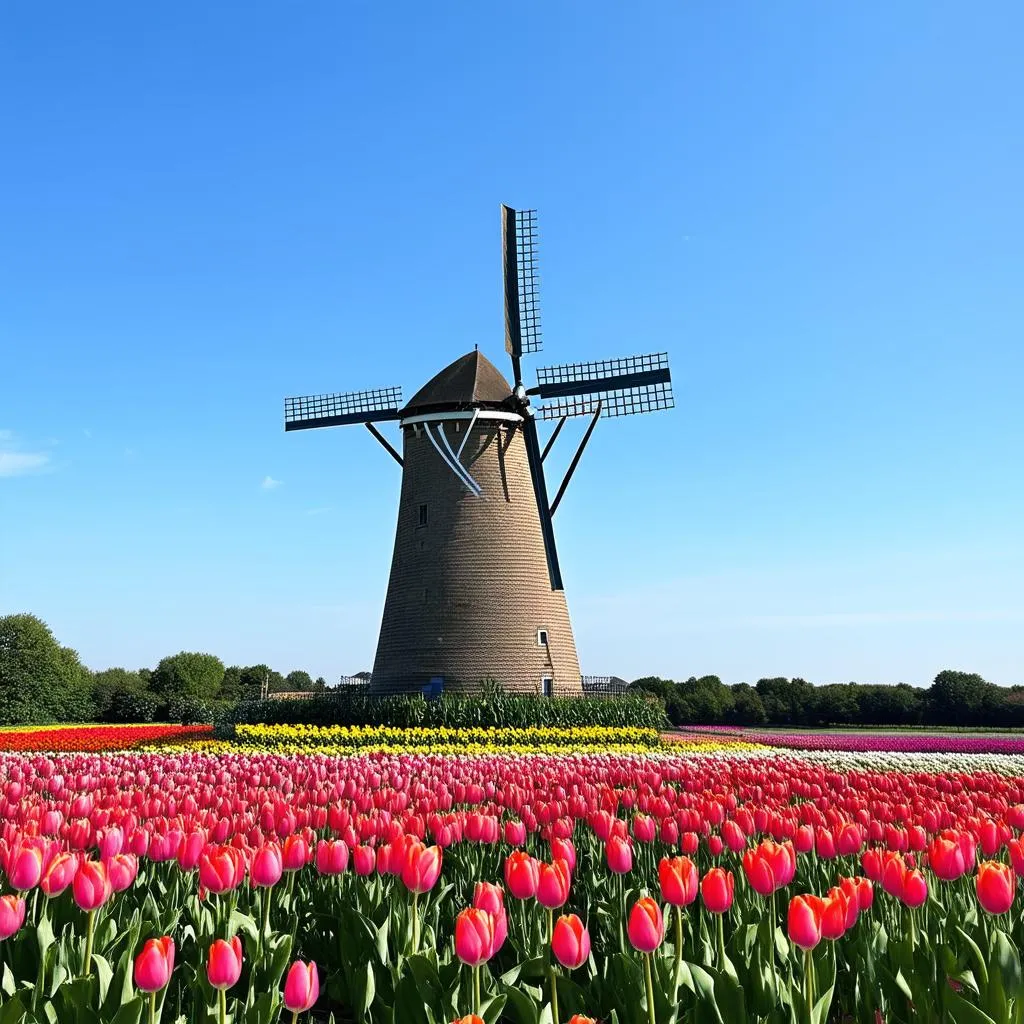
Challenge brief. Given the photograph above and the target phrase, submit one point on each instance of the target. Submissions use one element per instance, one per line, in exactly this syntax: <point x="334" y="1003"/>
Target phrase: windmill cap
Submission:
<point x="472" y="380"/>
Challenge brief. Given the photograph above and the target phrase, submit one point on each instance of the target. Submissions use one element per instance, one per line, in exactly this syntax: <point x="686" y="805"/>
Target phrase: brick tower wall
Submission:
<point x="470" y="589"/>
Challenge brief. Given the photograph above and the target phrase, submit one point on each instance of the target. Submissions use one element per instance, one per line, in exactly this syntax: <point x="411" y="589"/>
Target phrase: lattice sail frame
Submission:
<point x="646" y="387"/>
<point x="347" y="407"/>
<point x="526" y="277"/>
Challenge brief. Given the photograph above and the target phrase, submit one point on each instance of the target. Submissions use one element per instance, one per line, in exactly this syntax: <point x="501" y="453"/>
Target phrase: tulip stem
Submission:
<point x="809" y="982"/>
<point x="721" y="941"/>
<point x="650" y="988"/>
<point x="152" y="1007"/>
<point x="222" y="1000"/>
<point x="679" y="947"/>
<point x="476" y="990"/>
<point x="552" y="975"/>
<point x="295" y="1016"/>
<point x="415" y="922"/>
<point x="268" y="894"/>
<point x="89" y="928"/>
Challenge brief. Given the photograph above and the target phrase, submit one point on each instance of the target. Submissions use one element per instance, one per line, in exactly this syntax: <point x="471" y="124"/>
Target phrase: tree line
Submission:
<point x="41" y="681"/>
<point x="954" y="698"/>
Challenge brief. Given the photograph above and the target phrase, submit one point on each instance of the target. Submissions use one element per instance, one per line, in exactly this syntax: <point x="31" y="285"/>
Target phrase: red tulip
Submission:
<point x="679" y="880"/>
<point x="619" y="855"/>
<point x="12" y="915"/>
<point x="946" y="859"/>
<point x="295" y="853"/>
<point x="25" y="867"/>
<point x="267" y="866"/>
<point x="553" y="882"/>
<point x="331" y="856"/>
<point x="996" y="885"/>
<point x="472" y="1018"/>
<point x="522" y="872"/>
<point x="805" y="920"/>
<point x="570" y="941"/>
<point x="221" y="869"/>
<point x="153" y="966"/>
<point x="474" y="936"/>
<point x="716" y="890"/>
<point x="646" y="927"/>
<point x="515" y="833"/>
<point x="363" y="860"/>
<point x="122" y="869"/>
<point x="224" y="964"/>
<point x="834" y="915"/>
<point x="421" y="868"/>
<point x="91" y="885"/>
<point x="577" y="1018"/>
<point x="301" y="987"/>
<point x="915" y="888"/>
<point x="565" y="850"/>
<point x="59" y="874"/>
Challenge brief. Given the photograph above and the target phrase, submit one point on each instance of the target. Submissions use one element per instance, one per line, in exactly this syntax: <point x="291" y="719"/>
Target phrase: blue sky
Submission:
<point x="814" y="208"/>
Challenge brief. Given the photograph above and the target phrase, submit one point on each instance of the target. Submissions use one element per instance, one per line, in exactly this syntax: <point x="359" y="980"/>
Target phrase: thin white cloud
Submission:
<point x="14" y="461"/>
<point x="269" y="483"/>
<point x="20" y="463"/>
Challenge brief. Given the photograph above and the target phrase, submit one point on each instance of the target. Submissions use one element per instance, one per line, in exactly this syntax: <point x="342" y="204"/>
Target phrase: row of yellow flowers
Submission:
<point x="345" y="740"/>
<point x="276" y="737"/>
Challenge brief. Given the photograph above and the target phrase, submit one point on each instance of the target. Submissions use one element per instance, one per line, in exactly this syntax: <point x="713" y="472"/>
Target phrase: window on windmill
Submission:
<point x="542" y="638"/>
<point x="422" y="516"/>
<point x="545" y="686"/>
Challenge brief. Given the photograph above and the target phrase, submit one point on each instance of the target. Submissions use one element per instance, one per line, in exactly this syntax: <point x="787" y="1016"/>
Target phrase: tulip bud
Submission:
<point x="679" y="880"/>
<point x="153" y="966"/>
<point x="474" y="936"/>
<point x="646" y="927"/>
<point x="804" y="920"/>
<point x="267" y="866"/>
<point x="570" y="941"/>
<point x="301" y="987"/>
<point x="716" y="890"/>
<point x="522" y="873"/>
<point x="995" y="885"/>
<point x="91" y="885"/>
<point x="224" y="964"/>
<point x="12" y="915"/>
<point x="553" y="882"/>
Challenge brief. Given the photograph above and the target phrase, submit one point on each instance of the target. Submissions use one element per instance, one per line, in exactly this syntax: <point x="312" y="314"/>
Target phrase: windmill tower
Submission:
<point x="476" y="589"/>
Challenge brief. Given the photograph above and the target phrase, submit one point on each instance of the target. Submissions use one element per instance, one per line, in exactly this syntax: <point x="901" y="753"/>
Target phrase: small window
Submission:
<point x="545" y="686"/>
<point x="542" y="638"/>
<point x="423" y="515"/>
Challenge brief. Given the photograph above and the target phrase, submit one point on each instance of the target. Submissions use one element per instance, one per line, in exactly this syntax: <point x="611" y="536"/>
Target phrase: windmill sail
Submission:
<point x="341" y="409"/>
<point x="624" y="387"/>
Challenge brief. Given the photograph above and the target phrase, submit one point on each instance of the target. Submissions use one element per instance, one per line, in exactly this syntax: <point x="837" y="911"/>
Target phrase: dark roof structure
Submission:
<point x="472" y="380"/>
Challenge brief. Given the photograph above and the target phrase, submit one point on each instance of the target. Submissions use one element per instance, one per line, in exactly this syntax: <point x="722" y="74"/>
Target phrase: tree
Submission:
<point x="231" y="685"/>
<point x="40" y="681"/>
<point x="299" y="681"/>
<point x="747" y="708"/>
<point x="963" y="698"/>
<point x="320" y="686"/>
<point x="188" y="674"/>
<point x="109" y="688"/>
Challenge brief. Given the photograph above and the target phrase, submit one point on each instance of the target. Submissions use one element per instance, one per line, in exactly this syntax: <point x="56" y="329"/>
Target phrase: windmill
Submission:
<point x="476" y="590"/>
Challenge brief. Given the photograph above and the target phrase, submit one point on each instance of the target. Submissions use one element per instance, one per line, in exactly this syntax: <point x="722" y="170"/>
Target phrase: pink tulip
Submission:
<point x="301" y="987"/>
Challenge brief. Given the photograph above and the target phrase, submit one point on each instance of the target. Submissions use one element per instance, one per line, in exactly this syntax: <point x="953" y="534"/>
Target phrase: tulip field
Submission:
<point x="532" y="878"/>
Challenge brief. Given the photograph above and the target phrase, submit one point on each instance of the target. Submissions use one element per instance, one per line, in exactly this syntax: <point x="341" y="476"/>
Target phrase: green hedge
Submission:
<point x="407" y="710"/>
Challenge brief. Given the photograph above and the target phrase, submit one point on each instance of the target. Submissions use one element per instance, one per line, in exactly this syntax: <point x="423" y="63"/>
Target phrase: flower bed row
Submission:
<point x="423" y="888"/>
<point x="96" y="738"/>
<point x="895" y="741"/>
<point x="344" y="739"/>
